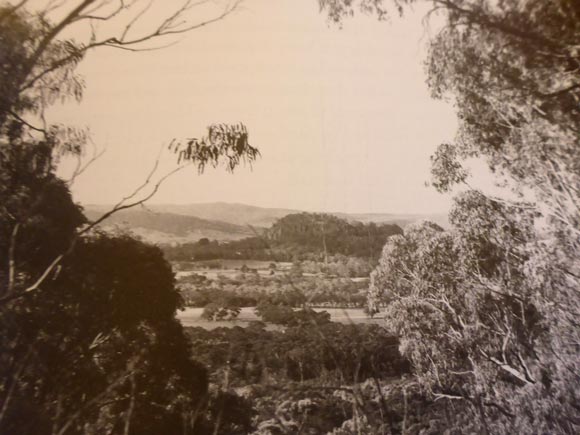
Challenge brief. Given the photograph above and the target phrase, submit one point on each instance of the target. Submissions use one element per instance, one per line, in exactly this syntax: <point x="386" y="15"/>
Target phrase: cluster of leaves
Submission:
<point x="337" y="10"/>
<point x="222" y="142"/>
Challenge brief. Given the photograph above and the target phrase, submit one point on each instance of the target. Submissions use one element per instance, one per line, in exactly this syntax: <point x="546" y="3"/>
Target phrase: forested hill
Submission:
<point x="296" y="236"/>
<point x="330" y="234"/>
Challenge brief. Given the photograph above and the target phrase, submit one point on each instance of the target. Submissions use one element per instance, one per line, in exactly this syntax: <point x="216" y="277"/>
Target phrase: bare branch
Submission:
<point x="51" y="7"/>
<point x="13" y="382"/>
<point x="26" y="123"/>
<point x="135" y="203"/>
<point x="51" y="267"/>
<point x="439" y="396"/>
<point x="166" y="28"/>
<point x="129" y="415"/>
<point x="49" y="37"/>
<point x="89" y="15"/>
<point x="94" y="401"/>
<point x="80" y="168"/>
<point x="507" y="368"/>
<point x="144" y="184"/>
<point x="122" y="205"/>
<point x="134" y="20"/>
<point x="11" y="260"/>
<point x="525" y="367"/>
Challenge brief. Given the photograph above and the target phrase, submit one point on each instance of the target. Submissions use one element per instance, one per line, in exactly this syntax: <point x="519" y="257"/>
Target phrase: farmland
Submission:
<point x="233" y="288"/>
<point x="192" y="316"/>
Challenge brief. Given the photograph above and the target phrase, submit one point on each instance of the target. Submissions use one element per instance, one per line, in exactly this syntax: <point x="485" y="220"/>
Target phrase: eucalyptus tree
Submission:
<point x="61" y="373"/>
<point x="487" y="311"/>
<point x="38" y="69"/>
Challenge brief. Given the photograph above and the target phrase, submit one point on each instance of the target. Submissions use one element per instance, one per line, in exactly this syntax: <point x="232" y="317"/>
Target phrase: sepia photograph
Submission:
<point x="289" y="217"/>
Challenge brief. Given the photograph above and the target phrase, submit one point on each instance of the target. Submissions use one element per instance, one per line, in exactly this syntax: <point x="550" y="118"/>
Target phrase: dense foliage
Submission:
<point x="306" y="376"/>
<point x="306" y="349"/>
<point x="94" y="342"/>
<point x="255" y="248"/>
<point x="486" y="311"/>
<point x="330" y="235"/>
<point x="251" y="289"/>
<point x="90" y="343"/>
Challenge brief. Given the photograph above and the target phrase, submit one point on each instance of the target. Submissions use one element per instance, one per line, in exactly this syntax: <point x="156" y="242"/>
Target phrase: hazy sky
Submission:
<point x="342" y="117"/>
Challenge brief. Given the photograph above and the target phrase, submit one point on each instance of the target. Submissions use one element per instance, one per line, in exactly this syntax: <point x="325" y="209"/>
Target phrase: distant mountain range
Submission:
<point x="177" y="223"/>
<point x="162" y="227"/>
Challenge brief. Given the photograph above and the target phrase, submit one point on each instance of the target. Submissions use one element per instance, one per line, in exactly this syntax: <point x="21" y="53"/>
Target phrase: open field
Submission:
<point x="192" y="317"/>
<point x="211" y="269"/>
<point x="233" y="264"/>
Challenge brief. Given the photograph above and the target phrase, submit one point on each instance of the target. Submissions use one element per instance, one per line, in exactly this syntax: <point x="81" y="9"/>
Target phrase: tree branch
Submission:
<point x="507" y="368"/>
<point x="80" y="168"/>
<point x="120" y="206"/>
<point x="11" y="260"/>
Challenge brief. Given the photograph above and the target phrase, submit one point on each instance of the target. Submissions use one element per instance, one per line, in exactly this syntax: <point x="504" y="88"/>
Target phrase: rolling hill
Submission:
<point x="239" y="214"/>
<point x="243" y="214"/>
<point x="181" y="223"/>
<point x="162" y="227"/>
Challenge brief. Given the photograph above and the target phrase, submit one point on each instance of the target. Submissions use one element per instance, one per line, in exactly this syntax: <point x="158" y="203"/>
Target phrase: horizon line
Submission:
<point x="398" y="213"/>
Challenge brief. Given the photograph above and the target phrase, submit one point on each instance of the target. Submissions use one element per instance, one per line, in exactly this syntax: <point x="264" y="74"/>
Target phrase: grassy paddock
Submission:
<point x="192" y="317"/>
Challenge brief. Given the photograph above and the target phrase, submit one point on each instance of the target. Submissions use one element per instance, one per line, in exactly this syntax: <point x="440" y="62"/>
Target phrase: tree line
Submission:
<point x="298" y="236"/>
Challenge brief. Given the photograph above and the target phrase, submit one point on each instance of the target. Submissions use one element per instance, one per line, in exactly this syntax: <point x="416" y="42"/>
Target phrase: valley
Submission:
<point x="176" y="224"/>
